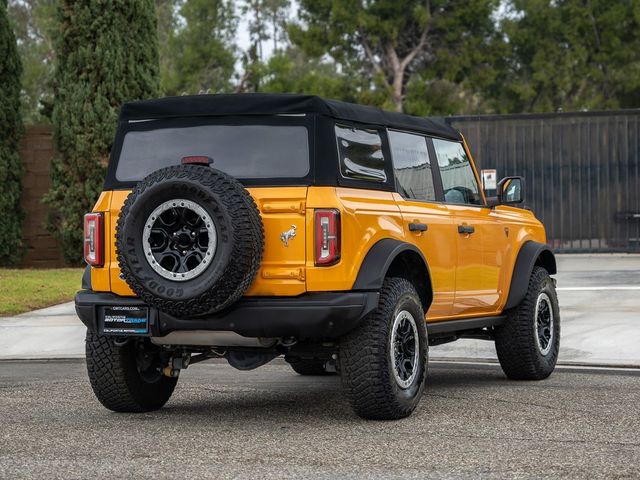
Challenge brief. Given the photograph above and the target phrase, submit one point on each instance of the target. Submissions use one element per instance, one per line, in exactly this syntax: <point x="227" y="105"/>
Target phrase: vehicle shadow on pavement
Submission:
<point x="449" y="375"/>
<point x="250" y="396"/>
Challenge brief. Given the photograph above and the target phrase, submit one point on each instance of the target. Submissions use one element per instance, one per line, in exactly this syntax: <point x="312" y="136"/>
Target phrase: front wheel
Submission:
<point x="529" y="341"/>
<point x="383" y="363"/>
<point x="128" y="377"/>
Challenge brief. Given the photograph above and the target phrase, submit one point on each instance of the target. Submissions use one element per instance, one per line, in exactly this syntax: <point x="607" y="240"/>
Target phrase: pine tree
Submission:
<point x="106" y="54"/>
<point x="569" y="55"/>
<point x="390" y="40"/>
<point x="202" y="49"/>
<point x="11" y="247"/>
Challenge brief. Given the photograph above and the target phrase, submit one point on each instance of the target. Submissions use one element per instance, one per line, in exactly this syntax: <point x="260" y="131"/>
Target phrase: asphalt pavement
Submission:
<point x="272" y="423"/>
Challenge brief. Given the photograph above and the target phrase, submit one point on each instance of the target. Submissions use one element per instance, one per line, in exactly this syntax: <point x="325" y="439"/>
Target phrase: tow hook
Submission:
<point x="176" y="363"/>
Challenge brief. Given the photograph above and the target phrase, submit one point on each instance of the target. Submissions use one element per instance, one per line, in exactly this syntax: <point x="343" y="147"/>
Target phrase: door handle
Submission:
<point x="466" y="229"/>
<point x="418" y="227"/>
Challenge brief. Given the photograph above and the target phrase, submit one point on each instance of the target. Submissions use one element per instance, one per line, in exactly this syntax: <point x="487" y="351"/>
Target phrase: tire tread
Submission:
<point x="365" y="372"/>
<point x="515" y="342"/>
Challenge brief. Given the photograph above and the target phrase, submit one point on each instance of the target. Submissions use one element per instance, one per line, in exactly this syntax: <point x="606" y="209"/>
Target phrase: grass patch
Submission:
<point x="22" y="290"/>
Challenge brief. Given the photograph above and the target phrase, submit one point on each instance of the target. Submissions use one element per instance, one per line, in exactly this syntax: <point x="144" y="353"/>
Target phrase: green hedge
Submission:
<point x="106" y="54"/>
<point x="11" y="246"/>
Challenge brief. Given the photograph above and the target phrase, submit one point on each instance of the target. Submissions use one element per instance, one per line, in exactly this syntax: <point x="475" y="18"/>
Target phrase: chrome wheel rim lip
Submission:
<point x="544" y="324"/>
<point x="404" y="363"/>
<point x="208" y="224"/>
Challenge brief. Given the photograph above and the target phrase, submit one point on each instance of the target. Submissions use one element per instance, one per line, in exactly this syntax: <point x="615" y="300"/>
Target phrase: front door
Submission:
<point x="478" y="244"/>
<point x="427" y="224"/>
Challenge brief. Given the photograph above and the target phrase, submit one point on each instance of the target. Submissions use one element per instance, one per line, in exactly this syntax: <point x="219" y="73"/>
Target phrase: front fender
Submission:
<point x="530" y="254"/>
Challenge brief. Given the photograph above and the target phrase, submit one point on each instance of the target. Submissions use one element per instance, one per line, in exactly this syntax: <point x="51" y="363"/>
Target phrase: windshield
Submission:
<point x="242" y="151"/>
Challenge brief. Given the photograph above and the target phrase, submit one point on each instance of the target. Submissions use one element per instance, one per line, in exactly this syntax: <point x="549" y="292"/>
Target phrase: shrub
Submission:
<point x="11" y="247"/>
<point x="106" y="54"/>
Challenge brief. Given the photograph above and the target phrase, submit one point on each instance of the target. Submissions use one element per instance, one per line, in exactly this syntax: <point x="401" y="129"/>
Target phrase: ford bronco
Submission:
<point x="345" y="238"/>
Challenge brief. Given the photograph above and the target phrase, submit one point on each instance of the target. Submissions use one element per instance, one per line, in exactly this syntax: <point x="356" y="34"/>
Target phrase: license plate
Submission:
<point x="125" y="320"/>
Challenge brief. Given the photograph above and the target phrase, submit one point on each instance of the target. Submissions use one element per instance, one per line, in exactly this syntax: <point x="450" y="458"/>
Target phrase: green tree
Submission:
<point x="11" y="248"/>
<point x="292" y="71"/>
<point x="202" y="49"/>
<point x="570" y="55"/>
<point x="106" y="54"/>
<point x="277" y="12"/>
<point x="34" y="25"/>
<point x="167" y="13"/>
<point x="266" y="20"/>
<point x="389" y="41"/>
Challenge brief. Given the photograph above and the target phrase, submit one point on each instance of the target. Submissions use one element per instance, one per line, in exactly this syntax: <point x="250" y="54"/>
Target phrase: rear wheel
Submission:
<point x="127" y="378"/>
<point x="528" y="343"/>
<point x="383" y="363"/>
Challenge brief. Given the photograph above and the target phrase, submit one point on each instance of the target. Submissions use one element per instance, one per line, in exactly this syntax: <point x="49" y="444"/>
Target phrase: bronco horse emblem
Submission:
<point x="288" y="235"/>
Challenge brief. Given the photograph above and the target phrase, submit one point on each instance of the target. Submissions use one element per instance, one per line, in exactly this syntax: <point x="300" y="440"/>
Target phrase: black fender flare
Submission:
<point x="379" y="259"/>
<point x="86" y="278"/>
<point x="530" y="254"/>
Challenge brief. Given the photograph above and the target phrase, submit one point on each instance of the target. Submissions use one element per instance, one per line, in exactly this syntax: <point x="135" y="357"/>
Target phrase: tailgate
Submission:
<point x="282" y="272"/>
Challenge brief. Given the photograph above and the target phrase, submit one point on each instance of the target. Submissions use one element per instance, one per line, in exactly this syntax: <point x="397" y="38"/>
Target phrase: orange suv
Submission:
<point x="345" y="238"/>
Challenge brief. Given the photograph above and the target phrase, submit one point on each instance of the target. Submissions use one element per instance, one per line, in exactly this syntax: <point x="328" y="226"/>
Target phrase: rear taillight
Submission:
<point x="94" y="239"/>
<point x="327" y="234"/>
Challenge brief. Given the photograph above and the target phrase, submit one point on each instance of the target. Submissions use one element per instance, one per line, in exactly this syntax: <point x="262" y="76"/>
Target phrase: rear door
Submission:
<point x="267" y="154"/>
<point x="282" y="271"/>
<point x="427" y="224"/>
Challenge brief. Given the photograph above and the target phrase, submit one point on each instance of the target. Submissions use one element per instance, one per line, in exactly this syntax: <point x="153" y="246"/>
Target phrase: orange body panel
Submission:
<point x="470" y="274"/>
<point x="282" y="272"/>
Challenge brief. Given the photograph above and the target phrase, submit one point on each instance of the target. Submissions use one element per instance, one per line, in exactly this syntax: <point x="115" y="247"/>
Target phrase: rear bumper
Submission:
<point x="312" y="315"/>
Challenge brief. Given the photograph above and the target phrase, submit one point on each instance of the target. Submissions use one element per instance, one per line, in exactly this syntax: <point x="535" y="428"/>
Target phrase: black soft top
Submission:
<point x="273" y="104"/>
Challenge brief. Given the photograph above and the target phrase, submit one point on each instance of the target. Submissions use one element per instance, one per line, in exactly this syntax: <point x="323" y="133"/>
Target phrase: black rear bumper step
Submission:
<point x="311" y="315"/>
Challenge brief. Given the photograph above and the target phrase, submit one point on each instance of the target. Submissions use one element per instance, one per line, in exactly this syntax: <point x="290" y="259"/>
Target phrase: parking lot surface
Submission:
<point x="272" y="423"/>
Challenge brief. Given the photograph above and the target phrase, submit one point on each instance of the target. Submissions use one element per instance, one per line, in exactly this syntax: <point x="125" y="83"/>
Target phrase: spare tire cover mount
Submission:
<point x="179" y="239"/>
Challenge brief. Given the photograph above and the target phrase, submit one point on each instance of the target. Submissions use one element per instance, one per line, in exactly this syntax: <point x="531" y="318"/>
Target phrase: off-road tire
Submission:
<point x="365" y="362"/>
<point x="115" y="379"/>
<point x="240" y="240"/>
<point x="311" y="368"/>
<point x="518" y="352"/>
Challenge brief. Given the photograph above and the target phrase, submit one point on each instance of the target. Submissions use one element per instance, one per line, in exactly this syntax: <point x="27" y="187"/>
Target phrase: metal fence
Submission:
<point x="582" y="172"/>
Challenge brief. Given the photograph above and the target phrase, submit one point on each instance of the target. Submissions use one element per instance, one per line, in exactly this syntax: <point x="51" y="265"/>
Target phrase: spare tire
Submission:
<point x="189" y="240"/>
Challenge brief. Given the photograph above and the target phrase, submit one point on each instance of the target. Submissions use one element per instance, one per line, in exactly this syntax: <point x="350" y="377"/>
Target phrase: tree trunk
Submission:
<point x="397" y="70"/>
<point x="396" y="93"/>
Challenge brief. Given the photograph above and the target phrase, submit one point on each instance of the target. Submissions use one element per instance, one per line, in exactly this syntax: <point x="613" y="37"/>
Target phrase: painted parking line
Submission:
<point x="595" y="289"/>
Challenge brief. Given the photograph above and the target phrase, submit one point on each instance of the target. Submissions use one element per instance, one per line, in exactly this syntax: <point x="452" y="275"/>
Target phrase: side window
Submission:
<point x="458" y="181"/>
<point x="360" y="153"/>
<point x="411" y="165"/>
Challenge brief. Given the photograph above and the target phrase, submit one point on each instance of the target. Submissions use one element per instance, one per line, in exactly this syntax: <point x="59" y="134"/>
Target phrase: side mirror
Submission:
<point x="510" y="191"/>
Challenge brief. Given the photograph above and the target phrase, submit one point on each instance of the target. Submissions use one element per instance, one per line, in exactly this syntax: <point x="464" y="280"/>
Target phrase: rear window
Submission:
<point x="242" y="151"/>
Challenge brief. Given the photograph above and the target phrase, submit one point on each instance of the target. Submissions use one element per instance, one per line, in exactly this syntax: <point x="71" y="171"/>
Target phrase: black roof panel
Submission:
<point x="272" y="104"/>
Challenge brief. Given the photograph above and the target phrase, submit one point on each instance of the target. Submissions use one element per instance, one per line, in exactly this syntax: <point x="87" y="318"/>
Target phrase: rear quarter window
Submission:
<point x="360" y="152"/>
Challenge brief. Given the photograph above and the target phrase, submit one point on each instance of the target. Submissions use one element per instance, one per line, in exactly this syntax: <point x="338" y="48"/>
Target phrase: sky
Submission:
<point x="244" y="41"/>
